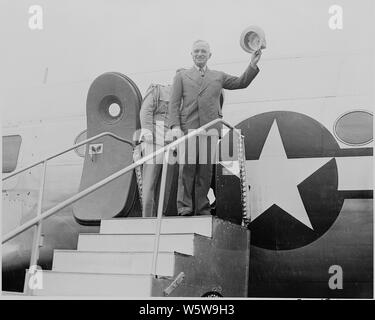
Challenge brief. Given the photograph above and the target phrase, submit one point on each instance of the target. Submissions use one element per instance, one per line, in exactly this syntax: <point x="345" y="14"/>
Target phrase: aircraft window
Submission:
<point x="114" y="110"/>
<point x="82" y="149"/>
<point x="111" y="109"/>
<point x="11" y="149"/>
<point x="354" y="128"/>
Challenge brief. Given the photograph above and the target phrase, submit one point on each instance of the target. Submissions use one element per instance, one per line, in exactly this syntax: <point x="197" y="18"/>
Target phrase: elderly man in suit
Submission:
<point x="195" y="101"/>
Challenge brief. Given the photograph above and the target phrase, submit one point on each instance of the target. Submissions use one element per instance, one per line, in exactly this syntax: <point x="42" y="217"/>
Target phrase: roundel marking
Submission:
<point x="293" y="179"/>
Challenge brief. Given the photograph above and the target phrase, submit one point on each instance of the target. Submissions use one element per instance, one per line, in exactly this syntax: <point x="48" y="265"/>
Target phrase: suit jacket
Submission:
<point x="195" y="100"/>
<point x="154" y="112"/>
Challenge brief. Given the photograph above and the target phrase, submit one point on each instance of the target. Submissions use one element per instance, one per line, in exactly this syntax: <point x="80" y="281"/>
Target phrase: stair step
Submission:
<point x="196" y="224"/>
<point x="94" y="284"/>
<point x="182" y="243"/>
<point x="12" y="293"/>
<point x="112" y="262"/>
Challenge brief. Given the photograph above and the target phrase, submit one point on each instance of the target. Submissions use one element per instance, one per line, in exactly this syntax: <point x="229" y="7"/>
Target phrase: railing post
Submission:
<point x="37" y="233"/>
<point x="160" y="211"/>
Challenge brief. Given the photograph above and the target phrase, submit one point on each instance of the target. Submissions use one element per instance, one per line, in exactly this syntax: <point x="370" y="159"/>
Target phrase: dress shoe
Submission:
<point x="185" y="213"/>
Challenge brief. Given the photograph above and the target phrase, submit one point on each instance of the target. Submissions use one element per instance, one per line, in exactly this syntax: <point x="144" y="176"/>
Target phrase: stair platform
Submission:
<point x="196" y="224"/>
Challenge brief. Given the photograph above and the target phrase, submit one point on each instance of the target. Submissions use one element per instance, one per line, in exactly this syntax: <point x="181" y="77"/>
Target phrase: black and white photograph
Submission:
<point x="201" y="149"/>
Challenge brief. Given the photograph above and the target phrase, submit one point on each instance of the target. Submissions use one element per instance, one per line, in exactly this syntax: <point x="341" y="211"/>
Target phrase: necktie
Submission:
<point x="201" y="72"/>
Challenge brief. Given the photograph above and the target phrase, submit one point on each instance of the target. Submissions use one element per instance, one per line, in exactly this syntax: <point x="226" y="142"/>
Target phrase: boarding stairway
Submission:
<point x="148" y="257"/>
<point x="197" y="256"/>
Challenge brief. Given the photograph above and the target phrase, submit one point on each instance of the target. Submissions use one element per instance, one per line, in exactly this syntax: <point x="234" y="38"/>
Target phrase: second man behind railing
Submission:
<point x="154" y="123"/>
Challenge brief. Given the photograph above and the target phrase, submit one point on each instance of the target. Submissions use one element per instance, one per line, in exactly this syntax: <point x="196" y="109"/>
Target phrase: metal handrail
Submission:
<point x="38" y="225"/>
<point x="37" y="221"/>
<point x="67" y="150"/>
<point x="85" y="192"/>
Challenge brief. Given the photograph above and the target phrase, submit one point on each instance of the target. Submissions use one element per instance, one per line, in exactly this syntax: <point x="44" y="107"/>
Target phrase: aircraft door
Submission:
<point x="113" y="104"/>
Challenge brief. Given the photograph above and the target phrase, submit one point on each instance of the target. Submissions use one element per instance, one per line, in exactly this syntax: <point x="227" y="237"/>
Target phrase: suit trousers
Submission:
<point x="196" y="159"/>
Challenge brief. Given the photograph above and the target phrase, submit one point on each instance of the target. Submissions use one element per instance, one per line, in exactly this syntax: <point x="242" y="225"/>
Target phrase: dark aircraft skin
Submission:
<point x="289" y="259"/>
<point x="292" y="254"/>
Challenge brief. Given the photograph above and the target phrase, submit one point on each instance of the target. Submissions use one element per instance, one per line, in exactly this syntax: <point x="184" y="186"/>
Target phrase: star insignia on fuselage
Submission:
<point x="274" y="178"/>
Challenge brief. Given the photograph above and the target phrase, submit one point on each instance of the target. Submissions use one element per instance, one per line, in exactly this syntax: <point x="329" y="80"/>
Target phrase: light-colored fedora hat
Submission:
<point x="253" y="39"/>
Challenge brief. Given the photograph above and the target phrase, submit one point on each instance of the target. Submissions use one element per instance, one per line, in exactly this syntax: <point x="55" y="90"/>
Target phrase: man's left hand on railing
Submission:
<point x="176" y="132"/>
